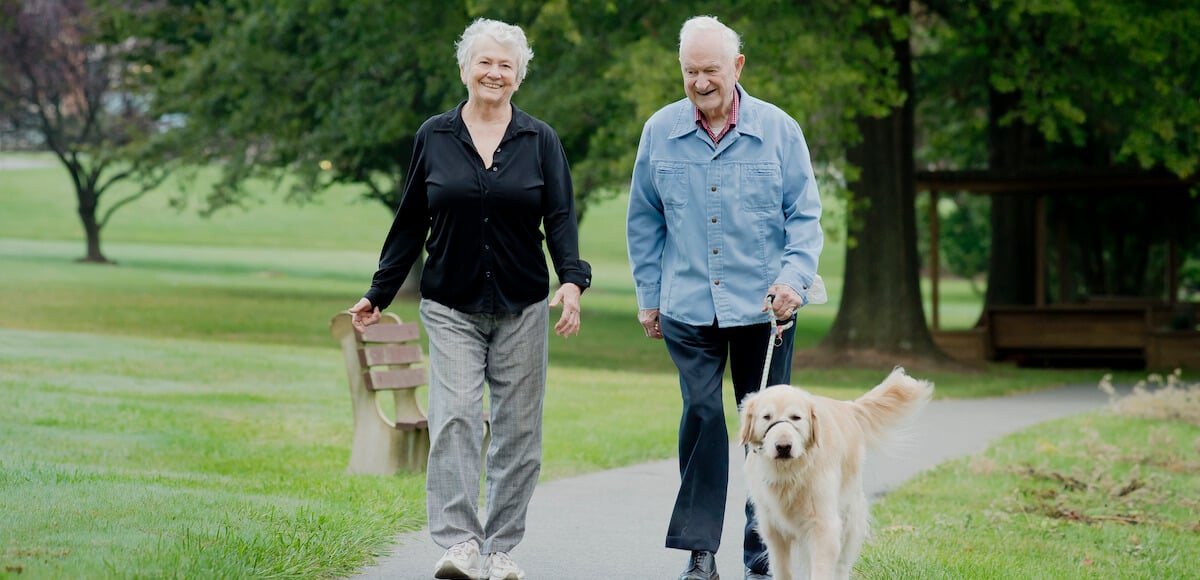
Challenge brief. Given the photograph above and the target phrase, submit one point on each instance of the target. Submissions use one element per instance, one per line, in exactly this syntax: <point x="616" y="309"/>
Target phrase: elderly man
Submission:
<point x="723" y="225"/>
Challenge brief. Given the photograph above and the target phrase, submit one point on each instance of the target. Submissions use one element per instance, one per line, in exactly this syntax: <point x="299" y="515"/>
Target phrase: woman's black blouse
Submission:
<point x="481" y="226"/>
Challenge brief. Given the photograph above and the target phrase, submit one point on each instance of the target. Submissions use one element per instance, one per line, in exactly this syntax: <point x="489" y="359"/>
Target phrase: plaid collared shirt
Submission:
<point x="716" y="137"/>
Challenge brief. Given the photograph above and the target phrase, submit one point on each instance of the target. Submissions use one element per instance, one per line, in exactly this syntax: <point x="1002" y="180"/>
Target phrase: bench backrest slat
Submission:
<point x="395" y="379"/>
<point x="403" y="332"/>
<point x="389" y="354"/>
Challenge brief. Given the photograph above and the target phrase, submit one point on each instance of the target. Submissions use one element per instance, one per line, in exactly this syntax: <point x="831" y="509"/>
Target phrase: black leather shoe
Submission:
<point x="702" y="566"/>
<point x="752" y="575"/>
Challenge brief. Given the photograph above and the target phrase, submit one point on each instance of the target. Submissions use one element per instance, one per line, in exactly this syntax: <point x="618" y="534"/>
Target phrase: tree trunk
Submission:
<point x="88" y="200"/>
<point x="881" y="310"/>
<point x="1012" y="266"/>
<point x="881" y="299"/>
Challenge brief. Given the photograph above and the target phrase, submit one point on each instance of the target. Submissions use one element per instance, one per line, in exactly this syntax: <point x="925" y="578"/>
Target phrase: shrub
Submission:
<point x="1171" y="399"/>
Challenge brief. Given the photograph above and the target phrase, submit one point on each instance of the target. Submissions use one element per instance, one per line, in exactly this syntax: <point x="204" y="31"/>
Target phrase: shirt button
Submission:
<point x="487" y="274"/>
<point x="497" y="150"/>
<point x="716" y="282"/>
<point x="714" y="220"/>
<point x="714" y="188"/>
<point x="487" y="247"/>
<point x="485" y="220"/>
<point x="715" y="251"/>
<point x="494" y="168"/>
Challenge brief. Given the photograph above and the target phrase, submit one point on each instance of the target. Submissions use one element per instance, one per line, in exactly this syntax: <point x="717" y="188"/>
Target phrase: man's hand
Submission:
<point x="649" y="320"/>
<point x="363" y="314"/>
<point x="568" y="323"/>
<point x="787" y="301"/>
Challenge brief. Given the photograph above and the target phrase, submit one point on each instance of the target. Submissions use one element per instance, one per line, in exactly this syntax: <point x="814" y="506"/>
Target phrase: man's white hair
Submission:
<point x="508" y="35"/>
<point x="730" y="40"/>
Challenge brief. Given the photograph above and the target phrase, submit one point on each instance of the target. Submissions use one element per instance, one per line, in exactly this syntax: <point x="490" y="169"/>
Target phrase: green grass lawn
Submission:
<point x="1094" y="496"/>
<point x="184" y="413"/>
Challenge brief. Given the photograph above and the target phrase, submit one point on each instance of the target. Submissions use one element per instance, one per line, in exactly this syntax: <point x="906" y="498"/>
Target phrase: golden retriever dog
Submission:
<point x="804" y="469"/>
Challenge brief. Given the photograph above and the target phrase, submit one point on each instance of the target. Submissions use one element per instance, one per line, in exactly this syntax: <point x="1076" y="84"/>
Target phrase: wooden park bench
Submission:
<point x="1115" y="334"/>
<point x="385" y="357"/>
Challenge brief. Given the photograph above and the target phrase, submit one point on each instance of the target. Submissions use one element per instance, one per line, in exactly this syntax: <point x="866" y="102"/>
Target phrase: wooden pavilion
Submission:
<point x="1154" y="332"/>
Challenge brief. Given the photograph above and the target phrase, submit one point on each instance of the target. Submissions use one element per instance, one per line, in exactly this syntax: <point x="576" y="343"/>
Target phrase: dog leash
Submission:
<point x="775" y="339"/>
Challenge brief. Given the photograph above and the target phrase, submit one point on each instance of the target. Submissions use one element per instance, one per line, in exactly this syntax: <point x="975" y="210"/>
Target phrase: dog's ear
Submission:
<point x="747" y="431"/>
<point x="812" y="428"/>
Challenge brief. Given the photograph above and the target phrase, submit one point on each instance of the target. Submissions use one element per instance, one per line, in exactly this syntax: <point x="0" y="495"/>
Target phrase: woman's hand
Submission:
<point x="568" y="296"/>
<point x="363" y="314"/>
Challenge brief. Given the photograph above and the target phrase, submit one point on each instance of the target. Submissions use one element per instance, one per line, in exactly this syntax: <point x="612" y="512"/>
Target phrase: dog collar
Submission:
<point x="772" y="426"/>
<point x="758" y="448"/>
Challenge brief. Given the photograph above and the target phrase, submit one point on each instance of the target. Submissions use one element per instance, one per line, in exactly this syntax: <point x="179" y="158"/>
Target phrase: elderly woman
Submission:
<point x="484" y="177"/>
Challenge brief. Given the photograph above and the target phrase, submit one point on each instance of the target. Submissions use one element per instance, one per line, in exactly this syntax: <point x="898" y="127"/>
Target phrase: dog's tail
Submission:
<point x="885" y="406"/>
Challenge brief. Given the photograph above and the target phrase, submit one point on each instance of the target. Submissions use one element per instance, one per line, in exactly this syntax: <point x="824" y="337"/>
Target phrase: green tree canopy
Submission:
<point x="1100" y="82"/>
<point x="325" y="92"/>
<point x="333" y="91"/>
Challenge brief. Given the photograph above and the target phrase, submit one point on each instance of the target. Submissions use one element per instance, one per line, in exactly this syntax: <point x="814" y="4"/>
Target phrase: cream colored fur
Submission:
<point x="804" y="470"/>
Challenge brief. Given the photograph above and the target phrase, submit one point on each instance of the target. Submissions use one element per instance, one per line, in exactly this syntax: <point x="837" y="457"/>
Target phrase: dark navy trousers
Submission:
<point x="701" y="353"/>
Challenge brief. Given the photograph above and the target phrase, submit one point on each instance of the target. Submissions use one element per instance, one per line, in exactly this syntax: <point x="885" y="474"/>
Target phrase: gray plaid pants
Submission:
<point x="508" y="352"/>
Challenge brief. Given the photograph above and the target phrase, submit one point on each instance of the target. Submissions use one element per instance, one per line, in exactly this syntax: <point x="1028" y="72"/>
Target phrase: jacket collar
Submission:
<point x="748" y="122"/>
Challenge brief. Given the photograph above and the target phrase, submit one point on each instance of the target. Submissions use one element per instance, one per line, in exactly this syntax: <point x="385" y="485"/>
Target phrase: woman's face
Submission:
<point x="491" y="73"/>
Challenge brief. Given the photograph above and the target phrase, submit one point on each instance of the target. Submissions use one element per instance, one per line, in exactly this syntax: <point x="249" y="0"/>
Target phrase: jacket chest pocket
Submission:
<point x="672" y="182"/>
<point x="760" y="186"/>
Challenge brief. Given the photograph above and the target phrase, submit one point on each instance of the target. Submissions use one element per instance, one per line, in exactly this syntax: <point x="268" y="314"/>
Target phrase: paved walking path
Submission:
<point x="610" y="525"/>
<point x="21" y="162"/>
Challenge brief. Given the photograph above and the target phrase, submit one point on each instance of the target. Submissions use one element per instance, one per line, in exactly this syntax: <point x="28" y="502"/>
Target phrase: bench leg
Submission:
<point x="415" y="450"/>
<point x="380" y="449"/>
<point x="377" y="448"/>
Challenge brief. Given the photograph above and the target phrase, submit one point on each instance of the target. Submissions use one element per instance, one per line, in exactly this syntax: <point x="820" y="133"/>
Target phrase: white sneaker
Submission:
<point x="460" y="562"/>
<point x="501" y="567"/>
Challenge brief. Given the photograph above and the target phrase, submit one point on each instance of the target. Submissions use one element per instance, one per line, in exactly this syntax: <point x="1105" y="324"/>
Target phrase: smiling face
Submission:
<point x="710" y="73"/>
<point x="490" y="74"/>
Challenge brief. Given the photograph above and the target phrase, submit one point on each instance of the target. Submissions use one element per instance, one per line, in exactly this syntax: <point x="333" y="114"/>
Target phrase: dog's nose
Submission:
<point x="783" y="449"/>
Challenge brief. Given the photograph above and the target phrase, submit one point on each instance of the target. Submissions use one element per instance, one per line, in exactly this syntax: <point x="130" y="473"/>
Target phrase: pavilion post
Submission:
<point x="934" y="259"/>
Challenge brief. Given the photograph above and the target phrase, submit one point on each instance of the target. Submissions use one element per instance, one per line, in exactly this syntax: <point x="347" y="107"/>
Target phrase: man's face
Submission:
<point x="710" y="75"/>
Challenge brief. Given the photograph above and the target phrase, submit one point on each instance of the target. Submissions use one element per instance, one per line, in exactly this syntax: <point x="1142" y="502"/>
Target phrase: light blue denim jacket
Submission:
<point x="709" y="229"/>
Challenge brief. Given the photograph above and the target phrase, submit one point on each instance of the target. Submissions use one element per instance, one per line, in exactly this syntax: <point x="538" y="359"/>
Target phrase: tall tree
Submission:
<point x="66" y="86"/>
<point x="882" y="262"/>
